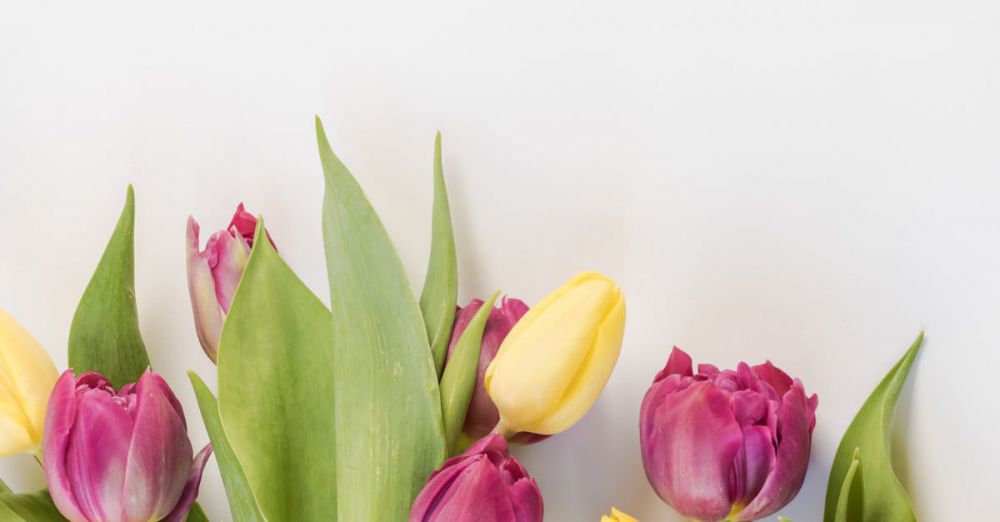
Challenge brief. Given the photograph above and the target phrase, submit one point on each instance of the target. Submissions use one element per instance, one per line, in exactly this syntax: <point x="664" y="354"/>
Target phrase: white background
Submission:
<point x="810" y="182"/>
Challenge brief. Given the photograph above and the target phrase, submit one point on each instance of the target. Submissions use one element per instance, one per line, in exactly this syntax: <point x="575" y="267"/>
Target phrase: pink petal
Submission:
<point x="231" y="255"/>
<point x="201" y="286"/>
<point x="792" y="459"/>
<point x="527" y="501"/>
<point x="190" y="493"/>
<point x="689" y="441"/>
<point x="774" y="376"/>
<point x="477" y="495"/>
<point x="483" y="415"/>
<point x="679" y="363"/>
<point x="753" y="464"/>
<point x="159" y="457"/>
<point x="59" y="420"/>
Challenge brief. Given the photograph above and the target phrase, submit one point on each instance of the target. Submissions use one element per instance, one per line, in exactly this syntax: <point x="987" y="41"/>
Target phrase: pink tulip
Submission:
<point x="727" y="444"/>
<point x="214" y="274"/>
<point x="484" y="484"/>
<point x="483" y="415"/>
<point x="122" y="456"/>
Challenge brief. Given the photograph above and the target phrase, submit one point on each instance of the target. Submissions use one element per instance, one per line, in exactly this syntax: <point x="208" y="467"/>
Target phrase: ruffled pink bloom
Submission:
<point x="726" y="444"/>
<point x="483" y="415"/>
<point x="122" y="456"/>
<point x="214" y="273"/>
<point x="484" y="484"/>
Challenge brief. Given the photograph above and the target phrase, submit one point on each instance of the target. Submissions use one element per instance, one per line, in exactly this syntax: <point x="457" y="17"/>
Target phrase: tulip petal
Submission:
<point x="679" y="363"/>
<point x="689" y="442"/>
<point x="58" y="425"/>
<point x="159" y="454"/>
<point x="477" y="495"/>
<point x="191" y="486"/>
<point x="27" y="375"/>
<point x="792" y="459"/>
<point x="201" y="286"/>
<point x="231" y="256"/>
<point x="527" y="501"/>
<point x="97" y="454"/>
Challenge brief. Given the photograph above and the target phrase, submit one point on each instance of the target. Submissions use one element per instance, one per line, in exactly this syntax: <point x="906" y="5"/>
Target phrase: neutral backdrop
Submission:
<point x="808" y="182"/>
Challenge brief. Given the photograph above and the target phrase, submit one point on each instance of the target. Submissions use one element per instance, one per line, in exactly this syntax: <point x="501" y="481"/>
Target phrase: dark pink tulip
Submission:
<point x="214" y="273"/>
<point x="122" y="456"/>
<point x="483" y="415"/>
<point x="727" y="444"/>
<point x="484" y="484"/>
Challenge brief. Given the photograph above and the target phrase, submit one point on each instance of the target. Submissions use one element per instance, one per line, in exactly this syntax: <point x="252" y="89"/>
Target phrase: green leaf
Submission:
<point x="3" y="487"/>
<point x="29" y="507"/>
<point x="242" y="504"/>
<point x="440" y="294"/>
<point x="196" y="514"/>
<point x="104" y="336"/>
<point x="883" y="497"/>
<point x="459" y="379"/>
<point x="388" y="407"/>
<point x="850" y="505"/>
<point x="276" y="390"/>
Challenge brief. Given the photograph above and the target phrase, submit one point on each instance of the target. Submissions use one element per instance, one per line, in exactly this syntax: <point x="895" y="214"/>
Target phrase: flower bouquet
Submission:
<point x="385" y="407"/>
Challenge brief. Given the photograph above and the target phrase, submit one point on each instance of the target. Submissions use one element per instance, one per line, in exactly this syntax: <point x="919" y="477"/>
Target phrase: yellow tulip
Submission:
<point x="27" y="376"/>
<point x="617" y="516"/>
<point x="556" y="360"/>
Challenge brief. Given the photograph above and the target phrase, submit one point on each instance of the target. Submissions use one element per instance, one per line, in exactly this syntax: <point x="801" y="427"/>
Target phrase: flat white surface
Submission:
<point x="810" y="182"/>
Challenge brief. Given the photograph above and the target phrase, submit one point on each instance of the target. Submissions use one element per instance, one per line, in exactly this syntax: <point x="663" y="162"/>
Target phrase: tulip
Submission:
<point x="27" y="375"/>
<point x="725" y="445"/>
<point x="556" y="360"/>
<point x="214" y="274"/>
<point x="484" y="484"/>
<point x="482" y="415"/>
<point x="617" y="516"/>
<point x="119" y="456"/>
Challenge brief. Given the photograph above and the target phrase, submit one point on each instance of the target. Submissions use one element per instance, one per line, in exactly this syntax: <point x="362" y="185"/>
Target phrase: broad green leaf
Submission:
<point x="883" y="497"/>
<point x="196" y="514"/>
<point x="29" y="507"/>
<point x="3" y="487"/>
<point x="440" y="294"/>
<point x="242" y="504"/>
<point x="850" y="505"/>
<point x="459" y="379"/>
<point x="388" y="407"/>
<point x="104" y="336"/>
<point x="276" y="391"/>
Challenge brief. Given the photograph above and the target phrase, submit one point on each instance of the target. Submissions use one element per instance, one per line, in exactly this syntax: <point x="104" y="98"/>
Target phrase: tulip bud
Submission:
<point x="483" y="484"/>
<point x="122" y="456"/>
<point x="214" y="273"/>
<point x="725" y="445"/>
<point x="617" y="516"/>
<point x="27" y="375"/>
<point x="483" y="415"/>
<point x="556" y="360"/>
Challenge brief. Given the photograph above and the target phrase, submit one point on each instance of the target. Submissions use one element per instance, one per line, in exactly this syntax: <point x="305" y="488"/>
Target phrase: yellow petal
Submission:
<point x="617" y="516"/>
<point x="558" y="357"/>
<point x="27" y="376"/>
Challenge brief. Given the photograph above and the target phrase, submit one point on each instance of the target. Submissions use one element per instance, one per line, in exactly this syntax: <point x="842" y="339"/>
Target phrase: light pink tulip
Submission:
<point x="725" y="445"/>
<point x="214" y="273"/>
<point x="484" y="484"/>
<point x="122" y="456"/>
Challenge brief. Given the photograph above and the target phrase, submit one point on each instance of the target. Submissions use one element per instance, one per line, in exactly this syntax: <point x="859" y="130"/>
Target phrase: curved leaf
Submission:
<point x="242" y="504"/>
<point x="388" y="407"/>
<point x="459" y="379"/>
<point x="883" y="497"/>
<point x="850" y="505"/>
<point x="29" y="507"/>
<point x="440" y="294"/>
<point x="276" y="391"/>
<point x="104" y="335"/>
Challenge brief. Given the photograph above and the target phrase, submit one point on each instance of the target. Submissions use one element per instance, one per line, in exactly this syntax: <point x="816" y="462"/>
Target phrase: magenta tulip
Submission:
<point x="119" y="456"/>
<point x="484" y="484"/>
<point x="214" y="274"/>
<point x="725" y="445"/>
<point x="483" y="415"/>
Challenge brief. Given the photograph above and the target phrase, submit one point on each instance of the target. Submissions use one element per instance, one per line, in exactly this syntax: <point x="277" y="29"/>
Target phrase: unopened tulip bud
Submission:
<point x="214" y="274"/>
<point x="556" y="360"/>
<point x="725" y="445"/>
<point x="27" y="376"/>
<point x="484" y="483"/>
<point x="119" y="455"/>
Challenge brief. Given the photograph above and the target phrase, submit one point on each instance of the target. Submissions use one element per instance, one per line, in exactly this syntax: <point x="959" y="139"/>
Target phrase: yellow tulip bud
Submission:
<point x="617" y="516"/>
<point x="27" y="376"/>
<point x="558" y="357"/>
